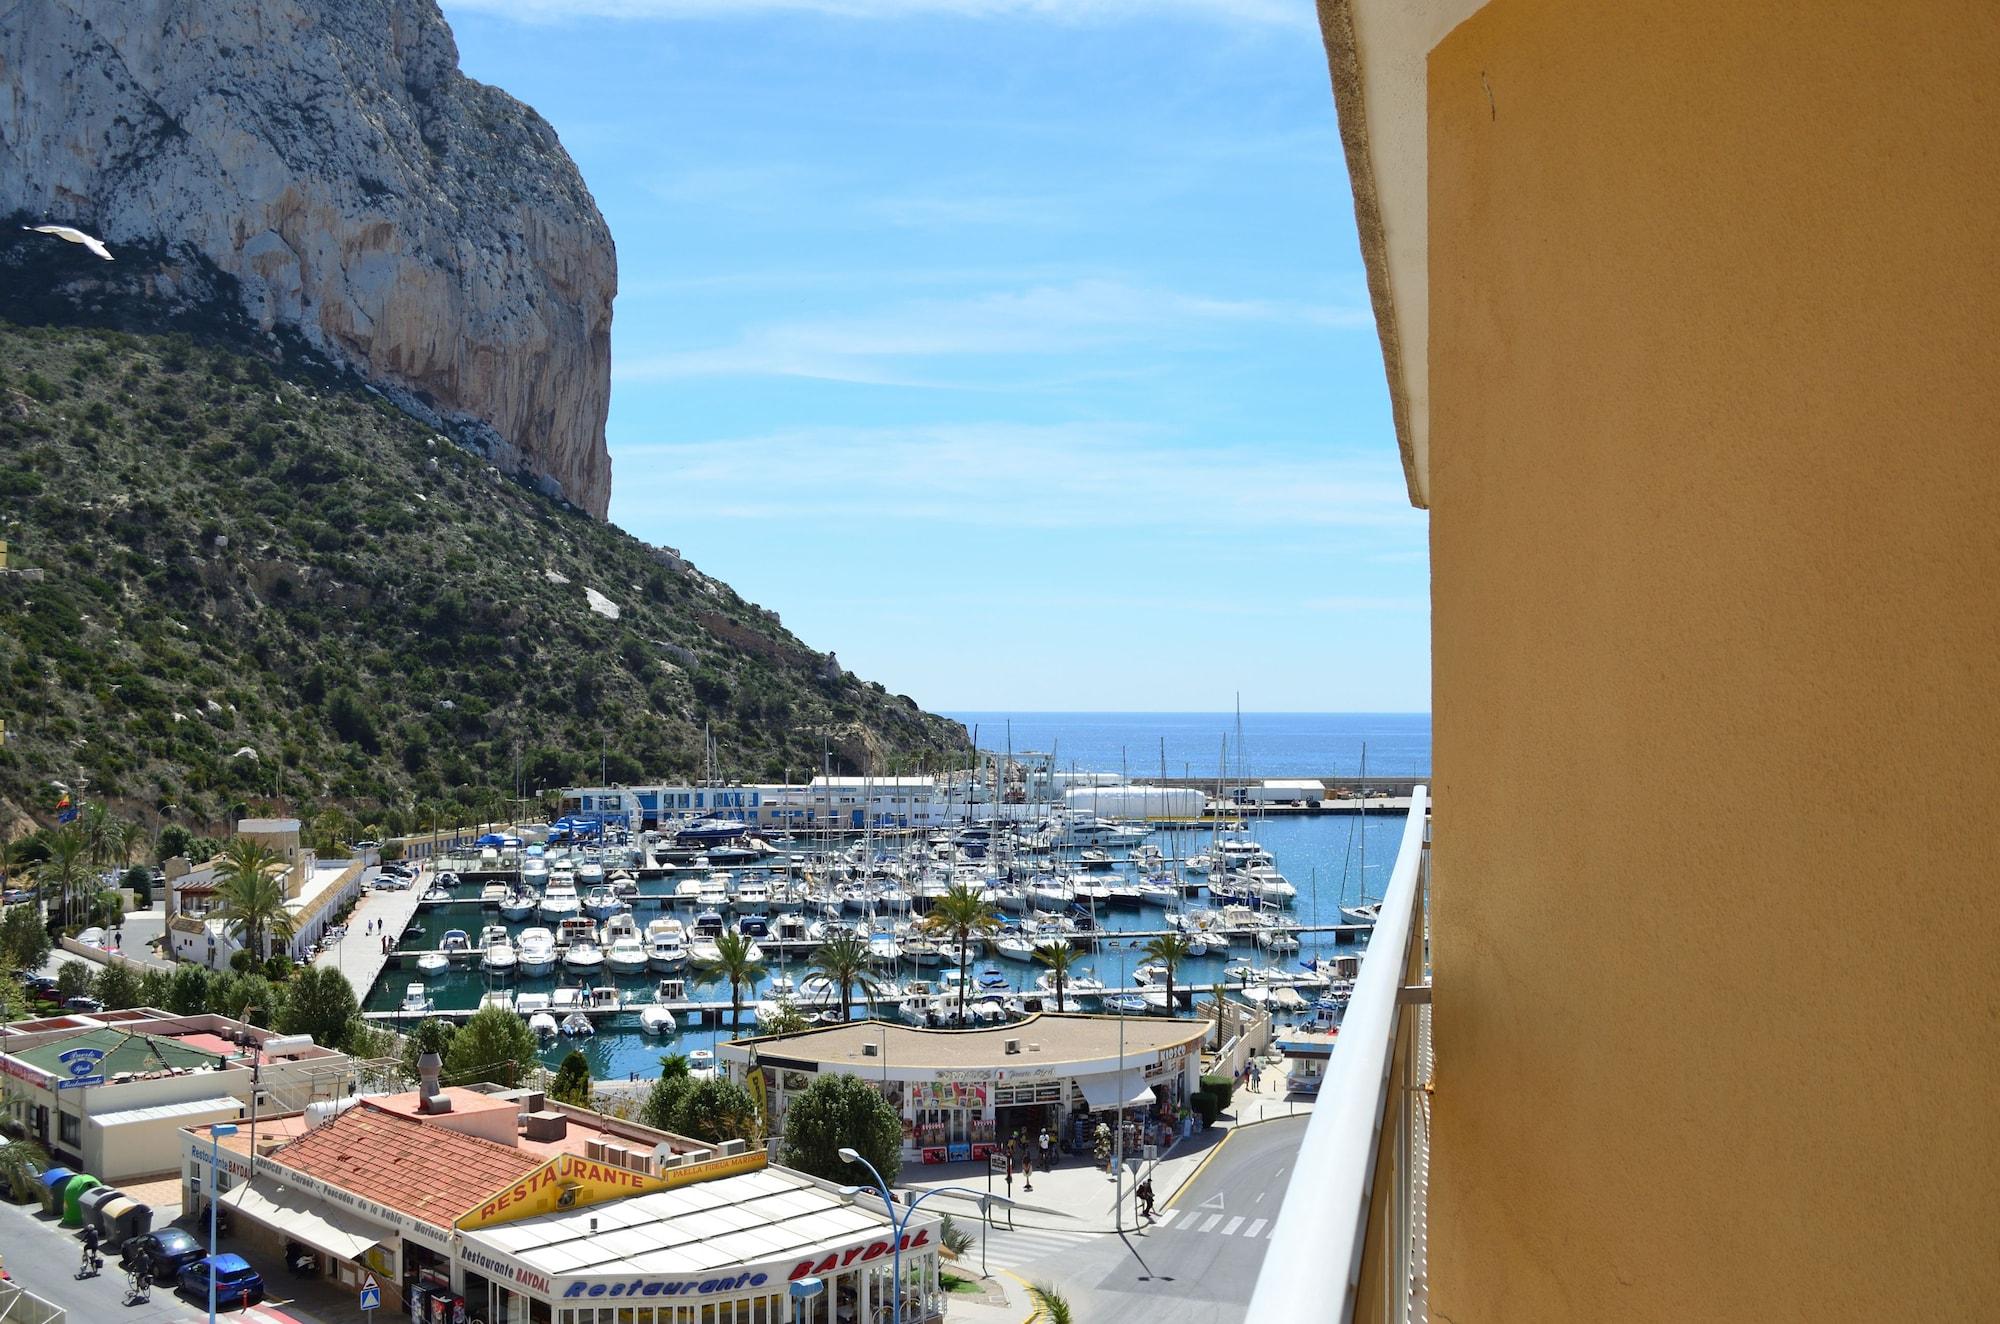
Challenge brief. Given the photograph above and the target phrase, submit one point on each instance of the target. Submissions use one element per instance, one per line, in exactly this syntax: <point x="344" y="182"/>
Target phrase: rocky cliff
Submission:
<point x="425" y="229"/>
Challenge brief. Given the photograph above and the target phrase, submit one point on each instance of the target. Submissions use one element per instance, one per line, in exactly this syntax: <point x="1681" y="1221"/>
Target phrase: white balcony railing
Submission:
<point x="1351" y="1228"/>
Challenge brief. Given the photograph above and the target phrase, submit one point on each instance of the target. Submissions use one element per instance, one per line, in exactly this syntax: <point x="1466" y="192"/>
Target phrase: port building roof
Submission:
<point x="1047" y="1039"/>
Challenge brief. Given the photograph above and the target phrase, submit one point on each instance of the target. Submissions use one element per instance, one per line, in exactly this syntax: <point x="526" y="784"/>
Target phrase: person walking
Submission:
<point x="1145" y="1194"/>
<point x="1048" y="1144"/>
<point x="1028" y="1167"/>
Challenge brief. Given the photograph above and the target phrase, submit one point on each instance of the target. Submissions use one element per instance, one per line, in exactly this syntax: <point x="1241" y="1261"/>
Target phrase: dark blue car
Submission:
<point x="236" y="1283"/>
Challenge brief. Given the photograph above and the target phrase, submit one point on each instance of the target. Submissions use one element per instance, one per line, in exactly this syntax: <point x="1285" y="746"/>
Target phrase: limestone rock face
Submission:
<point x="423" y="228"/>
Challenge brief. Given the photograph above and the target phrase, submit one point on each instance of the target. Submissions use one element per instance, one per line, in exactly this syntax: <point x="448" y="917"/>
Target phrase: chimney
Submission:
<point x="431" y="1097"/>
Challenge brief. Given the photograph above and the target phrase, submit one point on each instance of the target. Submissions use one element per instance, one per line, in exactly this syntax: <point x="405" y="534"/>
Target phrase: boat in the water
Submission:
<point x="626" y="955"/>
<point x="577" y="1026"/>
<point x="500" y="958"/>
<point x="583" y="956"/>
<point x="519" y="904"/>
<point x="535" y="954"/>
<point x="543" y="1024"/>
<point x="433" y="963"/>
<point x="416" y="1000"/>
<point x="655" y="1019"/>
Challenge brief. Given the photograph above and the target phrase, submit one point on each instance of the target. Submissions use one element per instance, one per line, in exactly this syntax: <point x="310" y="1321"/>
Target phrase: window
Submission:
<point x="69" y="1130"/>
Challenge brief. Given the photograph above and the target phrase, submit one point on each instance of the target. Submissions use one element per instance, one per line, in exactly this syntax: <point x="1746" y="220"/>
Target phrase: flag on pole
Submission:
<point x="65" y="811"/>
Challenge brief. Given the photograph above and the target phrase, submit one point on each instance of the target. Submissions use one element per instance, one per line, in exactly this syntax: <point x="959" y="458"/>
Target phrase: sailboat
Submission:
<point x="1363" y="911"/>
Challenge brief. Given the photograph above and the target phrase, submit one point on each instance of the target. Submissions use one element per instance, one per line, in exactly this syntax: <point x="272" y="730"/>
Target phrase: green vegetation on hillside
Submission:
<point x="262" y="582"/>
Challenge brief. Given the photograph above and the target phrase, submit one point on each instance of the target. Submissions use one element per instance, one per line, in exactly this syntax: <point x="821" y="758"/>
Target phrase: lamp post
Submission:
<point x="896" y="1225"/>
<point x="215" y="1134"/>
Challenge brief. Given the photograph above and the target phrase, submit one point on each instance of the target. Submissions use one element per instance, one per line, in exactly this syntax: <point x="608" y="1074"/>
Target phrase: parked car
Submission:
<point x="83" y="1002"/>
<point x="236" y="1283"/>
<point x="165" y="1253"/>
<point x="39" y="986"/>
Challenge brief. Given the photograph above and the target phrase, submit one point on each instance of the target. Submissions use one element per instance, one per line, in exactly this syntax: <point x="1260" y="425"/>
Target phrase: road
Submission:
<point x="1197" y="1265"/>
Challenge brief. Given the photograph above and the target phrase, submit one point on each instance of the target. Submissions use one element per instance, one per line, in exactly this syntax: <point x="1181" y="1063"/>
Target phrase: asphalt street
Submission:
<point x="1196" y="1264"/>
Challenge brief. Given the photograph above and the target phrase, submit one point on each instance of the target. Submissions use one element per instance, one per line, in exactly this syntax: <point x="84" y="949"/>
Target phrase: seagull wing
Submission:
<point x="74" y="236"/>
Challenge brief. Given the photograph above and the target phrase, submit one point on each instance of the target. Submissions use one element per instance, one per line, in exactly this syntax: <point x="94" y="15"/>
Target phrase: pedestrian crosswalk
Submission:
<point x="1202" y="1222"/>
<point x="1010" y="1248"/>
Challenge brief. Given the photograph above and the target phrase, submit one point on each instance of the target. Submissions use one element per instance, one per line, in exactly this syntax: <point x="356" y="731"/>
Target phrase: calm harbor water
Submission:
<point x="1322" y="856"/>
<point x="1272" y="745"/>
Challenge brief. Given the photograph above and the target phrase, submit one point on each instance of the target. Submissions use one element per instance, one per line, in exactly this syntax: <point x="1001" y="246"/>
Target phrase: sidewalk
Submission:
<point x="358" y="954"/>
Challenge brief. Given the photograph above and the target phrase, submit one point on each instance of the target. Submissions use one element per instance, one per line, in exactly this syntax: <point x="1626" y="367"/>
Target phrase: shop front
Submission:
<point x="723" y="1252"/>
<point x="965" y="1094"/>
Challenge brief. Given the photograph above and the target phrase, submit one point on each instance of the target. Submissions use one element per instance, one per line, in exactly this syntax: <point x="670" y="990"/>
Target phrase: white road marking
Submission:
<point x="1212" y="1202"/>
<point x="1255" y="1228"/>
<point x="1166" y="1217"/>
<point x="1234" y="1223"/>
<point x="1208" y="1225"/>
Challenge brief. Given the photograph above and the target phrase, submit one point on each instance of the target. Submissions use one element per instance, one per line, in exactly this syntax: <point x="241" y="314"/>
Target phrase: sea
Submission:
<point x="1331" y="859"/>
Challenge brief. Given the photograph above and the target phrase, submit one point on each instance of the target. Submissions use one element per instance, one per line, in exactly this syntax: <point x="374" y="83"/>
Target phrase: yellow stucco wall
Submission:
<point x="1715" y="480"/>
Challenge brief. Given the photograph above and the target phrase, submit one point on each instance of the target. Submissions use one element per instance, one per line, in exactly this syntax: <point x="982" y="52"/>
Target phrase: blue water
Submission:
<point x="1321" y="856"/>
<point x="1273" y="744"/>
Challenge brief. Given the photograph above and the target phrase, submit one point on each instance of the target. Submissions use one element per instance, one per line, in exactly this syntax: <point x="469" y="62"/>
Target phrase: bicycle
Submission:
<point x="93" y="1263"/>
<point x="138" y="1286"/>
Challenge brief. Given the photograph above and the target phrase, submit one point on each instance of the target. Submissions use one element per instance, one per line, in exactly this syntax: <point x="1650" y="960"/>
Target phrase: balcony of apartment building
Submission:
<point x="1351" y="1228"/>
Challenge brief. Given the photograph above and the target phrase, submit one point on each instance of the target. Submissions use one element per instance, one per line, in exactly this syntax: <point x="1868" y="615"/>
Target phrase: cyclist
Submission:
<point x="139" y="1283"/>
<point x="92" y="1261"/>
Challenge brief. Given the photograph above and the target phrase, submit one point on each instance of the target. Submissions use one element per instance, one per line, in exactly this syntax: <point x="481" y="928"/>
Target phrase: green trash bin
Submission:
<point x="73" y="1198"/>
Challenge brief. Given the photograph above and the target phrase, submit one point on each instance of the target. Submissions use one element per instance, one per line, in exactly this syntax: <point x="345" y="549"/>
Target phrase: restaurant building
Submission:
<point x="503" y="1206"/>
<point x="962" y="1092"/>
<point x="106" y="1093"/>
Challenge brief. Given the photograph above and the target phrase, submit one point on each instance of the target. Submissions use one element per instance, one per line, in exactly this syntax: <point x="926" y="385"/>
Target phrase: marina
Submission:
<point x="1101" y="888"/>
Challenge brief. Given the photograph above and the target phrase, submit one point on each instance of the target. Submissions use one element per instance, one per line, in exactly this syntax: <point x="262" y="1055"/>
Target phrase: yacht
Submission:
<point x="753" y="894"/>
<point x="707" y="925"/>
<point x="456" y="940"/>
<point x="584" y="956"/>
<point x="416" y="1000"/>
<point x="713" y="891"/>
<point x="500" y="958"/>
<point x="519" y="904"/>
<point x="1015" y="946"/>
<point x="589" y="875"/>
<point x="655" y="1019"/>
<point x="602" y="903"/>
<point x="621" y="925"/>
<point x="710" y="832"/>
<point x="627" y="955"/>
<point x="491" y="934"/>
<point x="536" y="954"/>
<point x="433" y="963"/>
<point x="543" y="1024"/>
<point x="559" y="899"/>
<point x="666" y="944"/>
<point x="1369" y="914"/>
<point x="922" y="948"/>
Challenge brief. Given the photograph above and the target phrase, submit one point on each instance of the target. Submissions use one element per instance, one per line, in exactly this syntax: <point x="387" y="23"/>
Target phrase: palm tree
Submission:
<point x="1169" y="949"/>
<point x="98" y="827"/>
<point x="1216" y="1006"/>
<point x="961" y="912"/>
<point x="1058" y="956"/>
<point x="125" y="835"/>
<point x="252" y="890"/>
<point x="1050" y="1305"/>
<point x="22" y="1161"/>
<point x="843" y="961"/>
<point x="67" y="868"/>
<point x="732" y="961"/>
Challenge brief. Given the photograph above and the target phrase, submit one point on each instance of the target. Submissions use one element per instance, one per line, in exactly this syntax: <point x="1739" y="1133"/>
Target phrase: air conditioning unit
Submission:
<point x="1010" y="1045"/>
<point x="1035" y="1047"/>
<point x="593" y="1149"/>
<point x="871" y="1049"/>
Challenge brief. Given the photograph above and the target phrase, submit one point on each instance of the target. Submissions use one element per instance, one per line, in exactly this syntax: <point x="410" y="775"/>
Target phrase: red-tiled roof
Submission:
<point x="425" y="1171"/>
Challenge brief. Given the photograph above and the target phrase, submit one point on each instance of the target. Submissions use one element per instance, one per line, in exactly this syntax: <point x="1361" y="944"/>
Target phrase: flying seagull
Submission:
<point x="74" y="236"/>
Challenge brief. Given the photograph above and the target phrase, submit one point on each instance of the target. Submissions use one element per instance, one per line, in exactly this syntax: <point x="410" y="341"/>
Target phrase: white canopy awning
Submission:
<point x="305" y="1219"/>
<point x="1126" y="1087"/>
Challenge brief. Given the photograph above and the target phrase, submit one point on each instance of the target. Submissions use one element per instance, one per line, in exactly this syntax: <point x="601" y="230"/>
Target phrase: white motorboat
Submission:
<point x="621" y="925"/>
<point x="577" y="1026"/>
<point x="519" y="904"/>
<point x="1126" y="1004"/>
<point x="543" y="1024"/>
<point x="492" y="894"/>
<point x="752" y="894"/>
<point x="433" y="963"/>
<point x="626" y="956"/>
<point x="602" y="903"/>
<point x="456" y="940"/>
<point x="527" y="1004"/>
<point x="655" y="1019"/>
<point x="559" y="900"/>
<point x="536" y="953"/>
<point x="496" y="997"/>
<point x="1015" y="946"/>
<point x="921" y="948"/>
<point x="589" y="874"/>
<point x="584" y="956"/>
<point x="416" y="1000"/>
<point x="500" y="958"/>
<point x="1074" y="986"/>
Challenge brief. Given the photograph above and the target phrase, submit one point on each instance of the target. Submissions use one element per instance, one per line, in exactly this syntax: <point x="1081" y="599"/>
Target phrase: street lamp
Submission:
<point x="896" y="1225"/>
<point x="215" y="1134"/>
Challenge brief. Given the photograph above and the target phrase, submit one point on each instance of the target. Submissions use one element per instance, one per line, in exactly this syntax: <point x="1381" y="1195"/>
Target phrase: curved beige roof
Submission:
<point x="1046" y="1039"/>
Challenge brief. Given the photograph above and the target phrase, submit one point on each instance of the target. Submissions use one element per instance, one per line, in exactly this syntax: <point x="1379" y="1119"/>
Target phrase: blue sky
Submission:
<point x="1017" y="350"/>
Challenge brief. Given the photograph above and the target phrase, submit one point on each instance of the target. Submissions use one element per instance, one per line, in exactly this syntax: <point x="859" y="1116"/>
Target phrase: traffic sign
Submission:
<point x="371" y="1295"/>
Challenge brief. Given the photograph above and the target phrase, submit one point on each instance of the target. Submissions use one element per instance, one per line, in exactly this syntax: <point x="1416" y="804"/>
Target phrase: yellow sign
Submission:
<point x="569" y="1181"/>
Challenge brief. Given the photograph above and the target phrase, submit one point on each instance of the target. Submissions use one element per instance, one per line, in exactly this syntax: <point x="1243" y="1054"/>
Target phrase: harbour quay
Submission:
<point x="962" y="1094"/>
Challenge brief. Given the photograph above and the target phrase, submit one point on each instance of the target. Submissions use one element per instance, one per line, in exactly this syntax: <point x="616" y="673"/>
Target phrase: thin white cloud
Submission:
<point x="1037" y="321"/>
<point x="1049" y="476"/>
<point x="1242" y="13"/>
<point x="1362" y="603"/>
